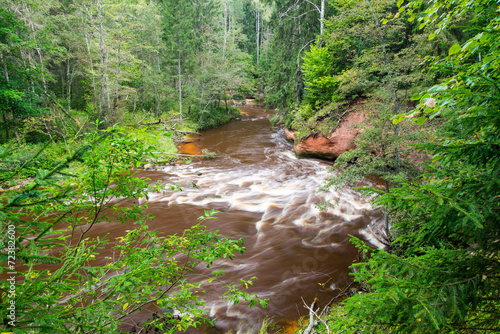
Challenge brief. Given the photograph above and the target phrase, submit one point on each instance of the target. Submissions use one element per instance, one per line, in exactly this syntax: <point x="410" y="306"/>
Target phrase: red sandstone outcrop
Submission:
<point x="290" y="135"/>
<point x="332" y="146"/>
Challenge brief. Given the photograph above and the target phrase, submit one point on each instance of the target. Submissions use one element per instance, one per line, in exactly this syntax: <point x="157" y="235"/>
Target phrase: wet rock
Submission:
<point x="148" y="167"/>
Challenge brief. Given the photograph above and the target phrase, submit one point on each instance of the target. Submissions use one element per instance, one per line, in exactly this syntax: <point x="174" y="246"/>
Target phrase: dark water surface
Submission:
<point x="266" y="196"/>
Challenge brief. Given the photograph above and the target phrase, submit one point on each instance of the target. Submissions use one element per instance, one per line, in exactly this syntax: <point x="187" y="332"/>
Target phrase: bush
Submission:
<point x="77" y="293"/>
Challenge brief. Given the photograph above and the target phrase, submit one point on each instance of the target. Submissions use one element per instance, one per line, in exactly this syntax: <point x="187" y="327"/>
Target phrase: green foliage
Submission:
<point x="20" y="82"/>
<point x="442" y="273"/>
<point x="318" y="74"/>
<point x="213" y="117"/>
<point x="235" y="294"/>
<point x="361" y="55"/>
<point x="281" y="76"/>
<point x="382" y="150"/>
<point x="412" y="294"/>
<point x="65" y="281"/>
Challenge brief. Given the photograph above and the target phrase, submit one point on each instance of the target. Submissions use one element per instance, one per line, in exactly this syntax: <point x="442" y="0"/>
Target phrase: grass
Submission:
<point x="157" y="136"/>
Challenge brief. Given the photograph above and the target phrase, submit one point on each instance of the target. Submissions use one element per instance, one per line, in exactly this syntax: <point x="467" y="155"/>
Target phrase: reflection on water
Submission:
<point x="190" y="145"/>
<point x="267" y="196"/>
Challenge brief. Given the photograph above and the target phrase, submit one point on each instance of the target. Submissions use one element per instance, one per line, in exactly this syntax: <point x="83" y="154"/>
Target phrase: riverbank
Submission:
<point x="265" y="196"/>
<point x="39" y="148"/>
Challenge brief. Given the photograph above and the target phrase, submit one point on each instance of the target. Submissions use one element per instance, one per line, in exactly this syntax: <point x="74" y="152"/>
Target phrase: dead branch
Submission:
<point x="178" y="154"/>
<point x="152" y="123"/>
<point x="313" y="314"/>
<point x="189" y="132"/>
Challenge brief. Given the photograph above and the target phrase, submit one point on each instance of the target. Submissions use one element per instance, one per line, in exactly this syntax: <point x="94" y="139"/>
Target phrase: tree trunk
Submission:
<point x="37" y="48"/>
<point x="258" y="33"/>
<point x="102" y="101"/>
<point x="159" y="69"/>
<point x="91" y="62"/>
<point x="180" y="87"/>
<point x="135" y="101"/>
<point x="69" y="78"/>
<point x="155" y="100"/>
<point x="4" y="114"/>
<point x="322" y="17"/>
<point x="225" y="32"/>
<point x="118" y="70"/>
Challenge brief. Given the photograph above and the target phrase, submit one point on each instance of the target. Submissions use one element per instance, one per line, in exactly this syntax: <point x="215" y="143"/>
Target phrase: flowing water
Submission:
<point x="268" y="197"/>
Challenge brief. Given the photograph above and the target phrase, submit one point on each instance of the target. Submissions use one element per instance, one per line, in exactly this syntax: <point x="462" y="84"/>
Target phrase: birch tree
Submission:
<point x="180" y="38"/>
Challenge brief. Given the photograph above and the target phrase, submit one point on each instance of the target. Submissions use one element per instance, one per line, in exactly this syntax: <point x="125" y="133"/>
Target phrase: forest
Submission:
<point x="82" y="81"/>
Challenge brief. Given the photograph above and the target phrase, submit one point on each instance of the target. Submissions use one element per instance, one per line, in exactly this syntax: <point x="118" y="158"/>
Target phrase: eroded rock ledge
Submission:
<point x="330" y="147"/>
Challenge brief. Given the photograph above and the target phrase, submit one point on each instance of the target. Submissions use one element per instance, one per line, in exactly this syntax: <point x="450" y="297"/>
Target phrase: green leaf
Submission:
<point x="263" y="303"/>
<point x="432" y="36"/>
<point x="415" y="97"/>
<point x="398" y="119"/>
<point x="454" y="49"/>
<point x="400" y="2"/>
<point x="421" y="120"/>
<point x="438" y="88"/>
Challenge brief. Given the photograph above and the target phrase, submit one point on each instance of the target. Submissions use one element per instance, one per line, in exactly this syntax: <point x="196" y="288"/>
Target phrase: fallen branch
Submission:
<point x="313" y="314"/>
<point x="188" y="132"/>
<point x="152" y="123"/>
<point x="178" y="154"/>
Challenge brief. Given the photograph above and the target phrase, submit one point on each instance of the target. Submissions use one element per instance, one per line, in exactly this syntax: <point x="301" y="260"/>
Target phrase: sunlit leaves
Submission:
<point x="454" y="49"/>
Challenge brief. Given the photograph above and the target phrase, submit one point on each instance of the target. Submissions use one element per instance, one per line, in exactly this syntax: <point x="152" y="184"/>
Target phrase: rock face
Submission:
<point x="332" y="146"/>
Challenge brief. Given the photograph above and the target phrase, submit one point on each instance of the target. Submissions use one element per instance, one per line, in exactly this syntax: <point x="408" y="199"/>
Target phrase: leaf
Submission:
<point x="432" y="36"/>
<point x="454" y="49"/>
<point x="125" y="306"/>
<point x="168" y="134"/>
<point x="435" y="114"/>
<point x="398" y="119"/>
<point x="400" y="2"/>
<point x="415" y="97"/>
<point x="438" y="88"/>
<point x="421" y="120"/>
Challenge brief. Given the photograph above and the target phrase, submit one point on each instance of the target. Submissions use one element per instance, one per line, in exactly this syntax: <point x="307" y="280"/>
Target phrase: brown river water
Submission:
<point x="268" y="197"/>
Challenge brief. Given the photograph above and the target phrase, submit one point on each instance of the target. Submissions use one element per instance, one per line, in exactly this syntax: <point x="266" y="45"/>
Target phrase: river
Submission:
<point x="268" y="197"/>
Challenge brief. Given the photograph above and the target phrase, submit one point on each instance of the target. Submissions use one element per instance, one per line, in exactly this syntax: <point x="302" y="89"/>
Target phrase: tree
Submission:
<point x="281" y="72"/>
<point x="59" y="278"/>
<point x="442" y="274"/>
<point x="179" y="19"/>
<point x="21" y="82"/>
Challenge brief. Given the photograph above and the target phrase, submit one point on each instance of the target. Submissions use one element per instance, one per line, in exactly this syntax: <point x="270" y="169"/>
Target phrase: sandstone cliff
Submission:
<point x="332" y="146"/>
